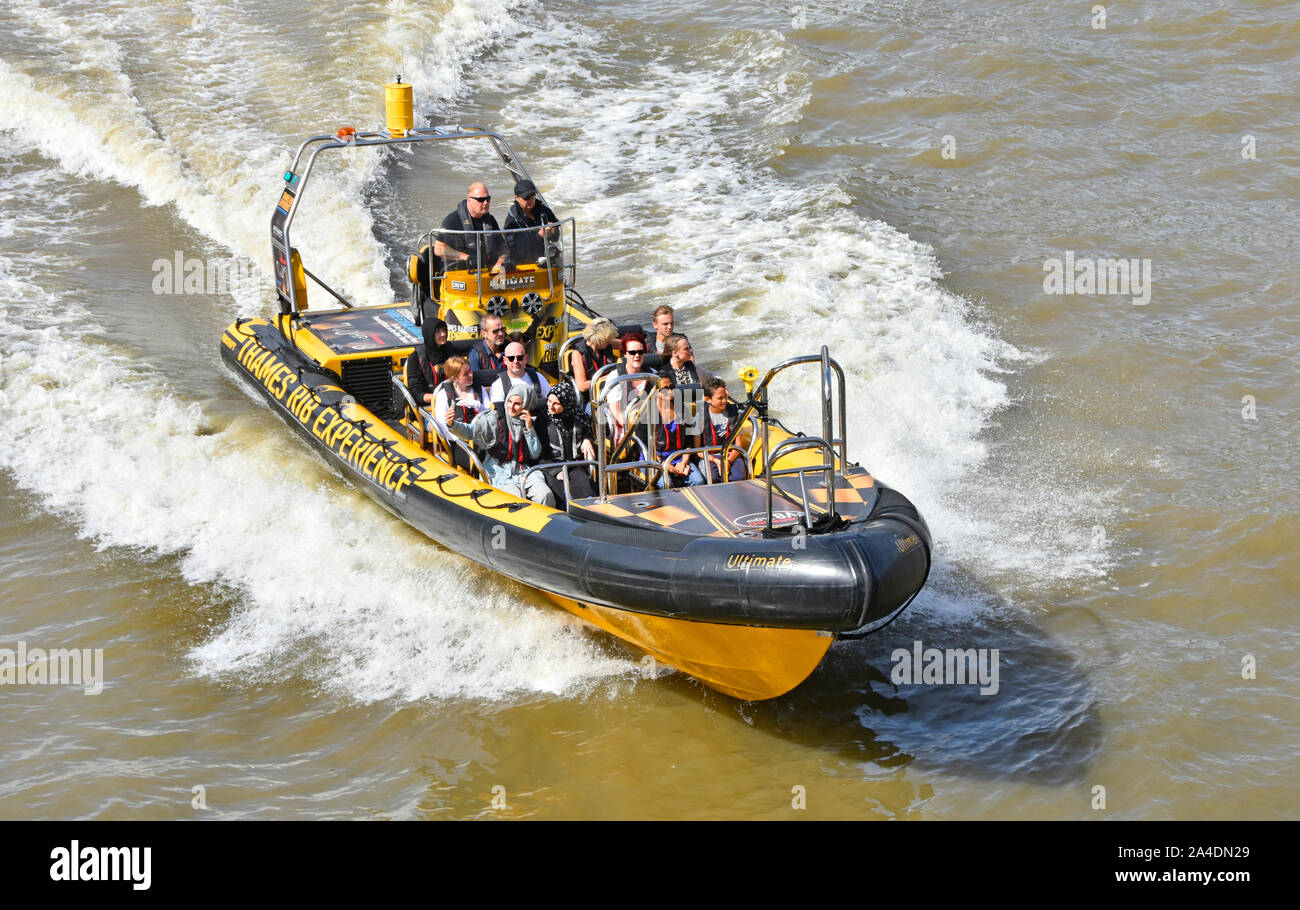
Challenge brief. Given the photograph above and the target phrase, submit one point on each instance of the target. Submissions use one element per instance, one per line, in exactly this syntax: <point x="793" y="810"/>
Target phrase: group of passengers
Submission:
<point x="512" y="414"/>
<point x="677" y="380"/>
<point x="501" y="419"/>
<point x="521" y="420"/>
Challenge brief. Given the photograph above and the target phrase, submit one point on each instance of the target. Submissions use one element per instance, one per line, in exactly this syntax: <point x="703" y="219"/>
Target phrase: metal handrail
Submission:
<point x="794" y="445"/>
<point x="605" y="389"/>
<point x="632" y="465"/>
<point x="562" y="358"/>
<point x="565" y="268"/>
<point x="598" y="381"/>
<point x="410" y="399"/>
<point x="432" y="428"/>
<point x="757" y="402"/>
<point x="564" y="473"/>
<point x="454" y="440"/>
<point x="701" y="450"/>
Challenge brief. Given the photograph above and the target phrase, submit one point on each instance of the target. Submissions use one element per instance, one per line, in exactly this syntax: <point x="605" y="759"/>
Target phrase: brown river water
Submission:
<point x="1109" y="473"/>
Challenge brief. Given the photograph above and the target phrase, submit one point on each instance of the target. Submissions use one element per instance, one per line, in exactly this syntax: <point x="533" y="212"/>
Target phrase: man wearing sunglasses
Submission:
<point x="518" y="370"/>
<point x="529" y="212"/>
<point x="489" y="352"/>
<point x="477" y="242"/>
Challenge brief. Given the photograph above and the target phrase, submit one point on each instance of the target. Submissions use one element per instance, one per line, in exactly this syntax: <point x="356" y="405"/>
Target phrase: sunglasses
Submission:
<point x="529" y="198"/>
<point x="497" y="331"/>
<point x="634" y="352"/>
<point x="515" y="356"/>
<point x="481" y="198"/>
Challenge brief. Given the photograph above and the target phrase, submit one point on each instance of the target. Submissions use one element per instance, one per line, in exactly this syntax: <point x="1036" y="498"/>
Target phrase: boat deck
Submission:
<point x="364" y="330"/>
<point x="729" y="509"/>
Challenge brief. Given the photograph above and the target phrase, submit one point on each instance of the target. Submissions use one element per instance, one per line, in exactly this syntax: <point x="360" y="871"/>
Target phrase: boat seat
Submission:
<point x="418" y="270"/>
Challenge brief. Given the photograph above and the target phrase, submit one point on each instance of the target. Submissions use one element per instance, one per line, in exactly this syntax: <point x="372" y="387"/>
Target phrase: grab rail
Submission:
<point x="564" y="473"/>
<point x="562" y="358"/>
<point x="795" y="445"/>
<point x="757" y="404"/>
<point x="431" y="428"/>
<point x="410" y="401"/>
<point x="559" y="269"/>
<point x="701" y="450"/>
<point x="602" y="403"/>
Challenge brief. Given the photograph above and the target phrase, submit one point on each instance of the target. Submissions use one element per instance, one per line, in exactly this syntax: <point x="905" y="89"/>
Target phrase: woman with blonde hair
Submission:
<point x="595" y="350"/>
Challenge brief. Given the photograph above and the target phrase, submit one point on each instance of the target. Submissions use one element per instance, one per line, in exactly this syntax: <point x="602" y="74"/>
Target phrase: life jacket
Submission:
<point x="477" y="243"/>
<point x="516" y="218"/>
<point x="489" y="361"/>
<point x="463" y="414"/>
<point x="429" y="371"/>
<point x="529" y="371"/>
<point x="669" y="440"/>
<point x="506" y="449"/>
<point x="591" y="361"/>
<point x="711" y="436"/>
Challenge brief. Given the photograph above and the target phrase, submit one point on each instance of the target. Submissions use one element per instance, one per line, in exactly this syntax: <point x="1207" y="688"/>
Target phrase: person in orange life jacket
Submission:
<point x="619" y="399"/>
<point x="528" y="212"/>
<point x="509" y="445"/>
<point x="518" y="370"/>
<point x="719" y="420"/>
<point x="568" y="436"/>
<point x="484" y="247"/>
<point x="422" y="367"/>
<point x="595" y="350"/>
<point x="671" y="436"/>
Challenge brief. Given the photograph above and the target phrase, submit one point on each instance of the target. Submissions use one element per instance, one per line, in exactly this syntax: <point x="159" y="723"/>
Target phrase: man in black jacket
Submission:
<point x="529" y="212"/>
<point x="464" y="250"/>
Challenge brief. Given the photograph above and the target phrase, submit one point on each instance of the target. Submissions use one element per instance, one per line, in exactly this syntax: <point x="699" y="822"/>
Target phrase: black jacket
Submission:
<point x="527" y="246"/>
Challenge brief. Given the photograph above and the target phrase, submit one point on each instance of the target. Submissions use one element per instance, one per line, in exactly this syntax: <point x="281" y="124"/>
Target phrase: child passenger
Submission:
<point x="719" y="421"/>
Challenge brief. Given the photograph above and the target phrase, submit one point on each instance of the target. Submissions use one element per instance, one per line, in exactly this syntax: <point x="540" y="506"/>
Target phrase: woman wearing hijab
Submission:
<point x="423" y="367"/>
<point x="509" y="445"/>
<point x="568" y="436"/>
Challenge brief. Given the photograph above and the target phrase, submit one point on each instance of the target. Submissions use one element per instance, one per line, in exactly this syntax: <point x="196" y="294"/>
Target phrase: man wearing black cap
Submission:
<point x="528" y="212"/>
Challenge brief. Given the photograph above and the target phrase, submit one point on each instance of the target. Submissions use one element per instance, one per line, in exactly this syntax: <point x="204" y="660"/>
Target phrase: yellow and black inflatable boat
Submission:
<point x="744" y="585"/>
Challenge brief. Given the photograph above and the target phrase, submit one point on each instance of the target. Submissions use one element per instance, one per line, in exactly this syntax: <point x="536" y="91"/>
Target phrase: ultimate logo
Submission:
<point x="510" y="282"/>
<point x="739" y="561"/>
